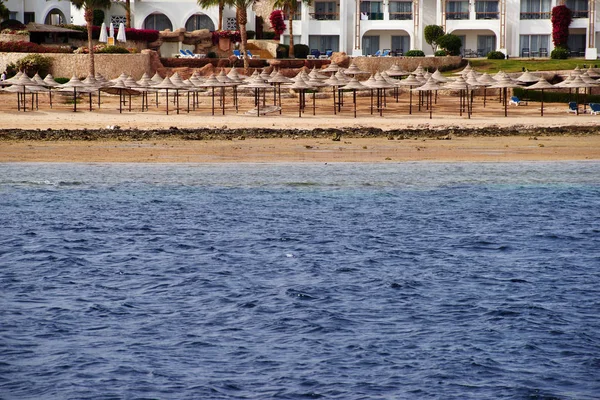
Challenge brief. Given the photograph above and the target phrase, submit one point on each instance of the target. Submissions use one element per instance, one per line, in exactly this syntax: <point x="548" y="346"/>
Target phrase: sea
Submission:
<point x="422" y="280"/>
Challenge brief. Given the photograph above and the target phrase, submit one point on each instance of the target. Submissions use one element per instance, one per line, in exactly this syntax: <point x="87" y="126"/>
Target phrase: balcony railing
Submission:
<point x="325" y="16"/>
<point x="579" y="13"/>
<point x="535" y="15"/>
<point x="401" y="16"/>
<point x="487" y="15"/>
<point x="375" y="16"/>
<point x="457" y="15"/>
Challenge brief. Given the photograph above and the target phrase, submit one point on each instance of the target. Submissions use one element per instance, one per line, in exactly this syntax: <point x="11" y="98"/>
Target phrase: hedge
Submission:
<point x="139" y="35"/>
<point x="29" y="47"/>
<point x="554" y="97"/>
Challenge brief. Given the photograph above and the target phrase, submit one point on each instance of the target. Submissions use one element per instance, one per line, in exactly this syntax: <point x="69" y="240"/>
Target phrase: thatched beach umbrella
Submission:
<point x="462" y="87"/>
<point x="410" y="82"/>
<point x="119" y="88"/>
<point x="354" y="85"/>
<point x="22" y="87"/>
<point x="505" y="83"/>
<point x="301" y="87"/>
<point x="578" y="83"/>
<point x="528" y="77"/>
<point x="314" y="74"/>
<point x="430" y="86"/>
<point x="51" y="84"/>
<point x="167" y="85"/>
<point x="592" y="73"/>
<point x="331" y="68"/>
<point x="486" y="80"/>
<point x="354" y="71"/>
<point x="258" y="85"/>
<point x="277" y="80"/>
<point x="212" y="83"/>
<point x="541" y="85"/>
<point x="334" y="83"/>
<point x="75" y="85"/>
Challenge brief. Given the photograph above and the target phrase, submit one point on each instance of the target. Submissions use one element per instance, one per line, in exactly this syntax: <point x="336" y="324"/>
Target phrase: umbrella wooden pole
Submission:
<point x="167" y="100"/>
<point x="430" y="100"/>
<point x="258" y="106"/>
<point x="334" y="105"/>
<point x="279" y="96"/>
<point x="50" y="93"/>
<point x="314" y="96"/>
<point x="542" y="108"/>
<point x="90" y="98"/>
<point x="300" y="103"/>
<point x="75" y="99"/>
<point x="177" y="97"/>
<point x="213" y="101"/>
<point x="505" y="103"/>
<point x="410" y="100"/>
<point x="371" y="101"/>
<point x="484" y="92"/>
<point x="223" y="97"/>
<point x="354" y="97"/>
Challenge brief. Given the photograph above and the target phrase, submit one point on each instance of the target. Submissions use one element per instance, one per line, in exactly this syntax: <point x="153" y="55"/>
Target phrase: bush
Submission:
<point x="34" y="63"/>
<point x="268" y="35"/>
<point x="441" y="53"/>
<point x="496" y="55"/>
<point x="62" y="81"/>
<point x="451" y="43"/>
<point x="233" y="36"/>
<point x="29" y="47"/>
<point x="211" y="54"/>
<point x="277" y="22"/>
<point x="283" y="51"/>
<point x="301" y="50"/>
<point x="414" y="53"/>
<point x="13" y="25"/>
<point x="140" y="35"/>
<point x="111" y="50"/>
<point x="250" y="34"/>
<point x="560" y="53"/>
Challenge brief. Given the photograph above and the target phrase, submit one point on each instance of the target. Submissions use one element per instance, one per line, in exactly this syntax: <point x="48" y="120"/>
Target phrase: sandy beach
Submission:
<point x="502" y="138"/>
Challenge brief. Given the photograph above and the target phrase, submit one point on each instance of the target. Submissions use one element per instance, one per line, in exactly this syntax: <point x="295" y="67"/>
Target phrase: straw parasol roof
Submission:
<point x="411" y="81"/>
<point x="300" y="84"/>
<point x="528" y="77"/>
<point x="226" y="80"/>
<point x="50" y="82"/>
<point x="279" y="78"/>
<point x="74" y="82"/>
<point x="342" y="77"/>
<point x="334" y="81"/>
<point x="586" y="78"/>
<point x="213" y="82"/>
<point x="333" y="67"/>
<point x="354" y="70"/>
<point x="431" y="84"/>
<point x="486" y="79"/>
<point x="458" y="84"/>
<point x="235" y="76"/>
<point x="437" y="75"/>
<point x="505" y="82"/>
<point x="314" y="74"/>
<point x="577" y="83"/>
<point x="157" y="78"/>
<point x="396" y="70"/>
<point x="120" y="88"/>
<point x="418" y="70"/>
<point x="592" y="73"/>
<point x="14" y="79"/>
<point x="354" y="84"/>
<point x="166" y="84"/>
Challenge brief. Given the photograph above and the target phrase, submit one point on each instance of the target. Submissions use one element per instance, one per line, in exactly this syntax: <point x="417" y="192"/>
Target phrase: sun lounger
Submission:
<point x="515" y="101"/>
<point x="595" y="108"/>
<point x="237" y="53"/>
<point x="573" y="108"/>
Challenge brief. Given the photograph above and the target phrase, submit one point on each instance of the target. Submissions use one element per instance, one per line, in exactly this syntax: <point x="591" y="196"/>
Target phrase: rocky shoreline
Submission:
<point x="224" y="133"/>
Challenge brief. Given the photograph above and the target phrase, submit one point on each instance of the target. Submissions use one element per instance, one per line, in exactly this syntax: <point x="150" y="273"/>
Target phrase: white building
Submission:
<point x="358" y="27"/>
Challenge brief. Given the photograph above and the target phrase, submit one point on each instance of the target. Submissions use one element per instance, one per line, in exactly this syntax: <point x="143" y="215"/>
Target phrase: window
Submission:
<point x="401" y="10"/>
<point x="297" y="14"/>
<point x="372" y="9"/>
<point x="13" y="15"/>
<point x="199" y="21"/>
<point x="579" y="8"/>
<point x="28" y="17"/>
<point x="231" y="24"/>
<point x="576" y="44"/>
<point x="485" y="44"/>
<point x="158" y="22"/>
<point x="400" y="44"/>
<point x="486" y="9"/>
<point x="535" y="9"/>
<point x="457" y="10"/>
<point x="118" y="19"/>
<point x="324" y="42"/>
<point x="370" y="45"/>
<point x="537" y="45"/>
<point x="286" y="39"/>
<point x="326" y="10"/>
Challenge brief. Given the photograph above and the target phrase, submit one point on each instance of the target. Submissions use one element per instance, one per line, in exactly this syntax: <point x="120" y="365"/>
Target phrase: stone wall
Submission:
<point x="109" y="65"/>
<point x="379" y="64"/>
<point x="5" y="37"/>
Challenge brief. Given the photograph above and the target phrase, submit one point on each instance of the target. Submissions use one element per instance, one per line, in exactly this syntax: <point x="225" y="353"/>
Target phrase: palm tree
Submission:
<point x="241" y="14"/>
<point x="220" y="3"/>
<point x="4" y="14"/>
<point x="88" y="7"/>
<point x="290" y="7"/>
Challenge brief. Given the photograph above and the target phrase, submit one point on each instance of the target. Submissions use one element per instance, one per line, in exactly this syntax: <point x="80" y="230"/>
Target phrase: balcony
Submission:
<point x="535" y="15"/>
<point x="457" y="15"/>
<point x="325" y="16"/>
<point x="401" y="16"/>
<point x="579" y="13"/>
<point x="487" y="15"/>
<point x="374" y="16"/>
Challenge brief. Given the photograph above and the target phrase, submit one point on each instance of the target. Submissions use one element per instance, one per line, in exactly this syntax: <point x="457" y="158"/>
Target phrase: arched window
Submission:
<point x="158" y="22"/>
<point x="55" y="17"/>
<point x="199" y="21"/>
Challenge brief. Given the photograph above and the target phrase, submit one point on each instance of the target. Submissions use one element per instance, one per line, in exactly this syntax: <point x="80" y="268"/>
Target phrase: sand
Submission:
<point x="445" y="117"/>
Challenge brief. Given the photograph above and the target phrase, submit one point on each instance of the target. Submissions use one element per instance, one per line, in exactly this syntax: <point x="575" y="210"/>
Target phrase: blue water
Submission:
<point x="343" y="281"/>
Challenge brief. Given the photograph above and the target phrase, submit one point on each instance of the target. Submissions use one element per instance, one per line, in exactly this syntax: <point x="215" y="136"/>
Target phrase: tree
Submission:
<point x="241" y="14"/>
<point x="88" y="7"/>
<point x="432" y="34"/>
<point x="220" y="3"/>
<point x="450" y="43"/>
<point x="4" y="14"/>
<point x="561" y="19"/>
<point x="290" y="7"/>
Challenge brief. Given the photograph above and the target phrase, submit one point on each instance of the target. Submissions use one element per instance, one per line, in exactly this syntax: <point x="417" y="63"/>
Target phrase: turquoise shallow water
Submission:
<point x="348" y="281"/>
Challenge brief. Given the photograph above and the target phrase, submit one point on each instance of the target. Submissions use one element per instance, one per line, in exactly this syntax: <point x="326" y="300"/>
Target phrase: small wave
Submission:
<point x="299" y="295"/>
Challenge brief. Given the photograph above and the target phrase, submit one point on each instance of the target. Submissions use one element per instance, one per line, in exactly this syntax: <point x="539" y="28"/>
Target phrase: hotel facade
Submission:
<point x="519" y="28"/>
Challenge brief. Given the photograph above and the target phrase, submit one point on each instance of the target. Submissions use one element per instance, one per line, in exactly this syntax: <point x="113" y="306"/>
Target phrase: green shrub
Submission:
<point x="414" y="53"/>
<point x="112" y="50"/>
<point x="559" y="53"/>
<point x="301" y="50"/>
<point x="283" y="51"/>
<point x="267" y="35"/>
<point x="62" y="81"/>
<point x="211" y="54"/>
<point x="451" y="43"/>
<point x="495" y="55"/>
<point x="553" y="97"/>
<point x="34" y="63"/>
<point x="12" y="24"/>
<point x="251" y="34"/>
<point x="441" y="53"/>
